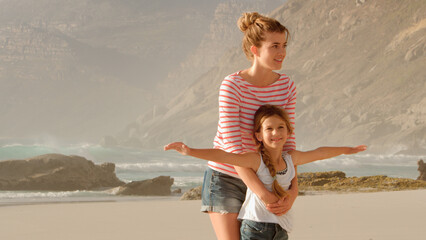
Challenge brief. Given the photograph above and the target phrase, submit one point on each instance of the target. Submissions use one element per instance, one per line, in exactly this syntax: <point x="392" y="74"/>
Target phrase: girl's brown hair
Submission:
<point x="254" y="26"/>
<point x="260" y="116"/>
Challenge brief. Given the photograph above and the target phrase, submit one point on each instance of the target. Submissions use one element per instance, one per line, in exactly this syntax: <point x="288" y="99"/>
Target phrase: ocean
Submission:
<point x="138" y="164"/>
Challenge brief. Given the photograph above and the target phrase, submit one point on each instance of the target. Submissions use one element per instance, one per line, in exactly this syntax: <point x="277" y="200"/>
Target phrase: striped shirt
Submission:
<point x="238" y="101"/>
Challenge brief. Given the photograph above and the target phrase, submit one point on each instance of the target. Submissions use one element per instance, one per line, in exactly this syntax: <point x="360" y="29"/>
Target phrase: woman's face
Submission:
<point x="272" y="52"/>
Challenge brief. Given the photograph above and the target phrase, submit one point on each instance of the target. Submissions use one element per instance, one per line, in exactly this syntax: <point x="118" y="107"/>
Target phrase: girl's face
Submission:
<point x="272" y="52"/>
<point x="273" y="132"/>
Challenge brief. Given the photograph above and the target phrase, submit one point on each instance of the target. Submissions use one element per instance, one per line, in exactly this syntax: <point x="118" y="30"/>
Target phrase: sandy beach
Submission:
<point x="370" y="216"/>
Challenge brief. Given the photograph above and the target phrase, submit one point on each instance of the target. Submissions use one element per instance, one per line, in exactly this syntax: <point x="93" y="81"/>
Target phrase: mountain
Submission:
<point x="77" y="69"/>
<point x="359" y="71"/>
<point x="223" y="35"/>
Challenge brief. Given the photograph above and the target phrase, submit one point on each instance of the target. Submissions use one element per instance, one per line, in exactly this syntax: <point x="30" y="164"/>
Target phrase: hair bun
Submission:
<point x="247" y="19"/>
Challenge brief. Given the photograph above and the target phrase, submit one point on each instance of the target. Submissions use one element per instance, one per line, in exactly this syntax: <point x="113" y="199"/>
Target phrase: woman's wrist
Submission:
<point x="293" y="191"/>
<point x="268" y="197"/>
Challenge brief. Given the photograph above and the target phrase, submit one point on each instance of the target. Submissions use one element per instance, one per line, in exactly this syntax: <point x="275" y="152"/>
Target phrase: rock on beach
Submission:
<point x="57" y="172"/>
<point x="337" y="181"/>
<point x="159" y="186"/>
<point x="192" y="194"/>
<point x="422" y="170"/>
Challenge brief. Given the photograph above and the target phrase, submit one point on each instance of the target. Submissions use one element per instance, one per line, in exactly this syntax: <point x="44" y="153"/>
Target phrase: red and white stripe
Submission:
<point x="238" y="101"/>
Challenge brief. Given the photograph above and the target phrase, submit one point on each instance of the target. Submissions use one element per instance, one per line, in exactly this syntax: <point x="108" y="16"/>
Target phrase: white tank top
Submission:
<point x="254" y="209"/>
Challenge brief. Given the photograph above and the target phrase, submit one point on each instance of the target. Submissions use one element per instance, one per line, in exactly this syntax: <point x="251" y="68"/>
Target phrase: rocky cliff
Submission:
<point x="359" y="71"/>
<point x="223" y="34"/>
<point x="56" y="172"/>
<point x="85" y="67"/>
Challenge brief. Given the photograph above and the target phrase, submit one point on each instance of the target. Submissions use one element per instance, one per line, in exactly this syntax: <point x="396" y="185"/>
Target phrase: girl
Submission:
<point x="241" y="94"/>
<point x="273" y="166"/>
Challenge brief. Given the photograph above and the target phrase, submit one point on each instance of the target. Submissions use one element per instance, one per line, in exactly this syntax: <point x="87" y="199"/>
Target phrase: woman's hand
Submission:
<point x="179" y="147"/>
<point x="283" y="205"/>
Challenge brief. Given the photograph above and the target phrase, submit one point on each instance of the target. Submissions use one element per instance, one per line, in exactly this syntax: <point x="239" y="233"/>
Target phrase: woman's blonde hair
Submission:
<point x="260" y="116"/>
<point x="254" y="26"/>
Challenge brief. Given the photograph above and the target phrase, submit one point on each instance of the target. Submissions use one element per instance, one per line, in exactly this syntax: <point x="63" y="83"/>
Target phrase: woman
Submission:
<point x="241" y="94"/>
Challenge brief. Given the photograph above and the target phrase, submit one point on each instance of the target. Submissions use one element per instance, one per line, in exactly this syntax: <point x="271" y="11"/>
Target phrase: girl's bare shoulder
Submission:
<point x="295" y="154"/>
<point x="254" y="158"/>
<point x="254" y="155"/>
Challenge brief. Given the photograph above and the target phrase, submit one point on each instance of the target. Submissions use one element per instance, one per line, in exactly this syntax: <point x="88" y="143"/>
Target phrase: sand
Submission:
<point x="369" y="216"/>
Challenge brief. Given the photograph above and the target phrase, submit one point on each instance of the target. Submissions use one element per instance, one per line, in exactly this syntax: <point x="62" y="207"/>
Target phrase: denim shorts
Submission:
<point x="222" y="193"/>
<point x="261" y="230"/>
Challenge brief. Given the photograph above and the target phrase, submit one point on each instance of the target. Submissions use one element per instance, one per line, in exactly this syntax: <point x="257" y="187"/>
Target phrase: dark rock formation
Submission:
<point x="56" y="172"/>
<point x="159" y="186"/>
<point x="422" y="170"/>
<point x="337" y="181"/>
<point x="177" y="191"/>
<point x="193" y="194"/>
<point x="319" y="178"/>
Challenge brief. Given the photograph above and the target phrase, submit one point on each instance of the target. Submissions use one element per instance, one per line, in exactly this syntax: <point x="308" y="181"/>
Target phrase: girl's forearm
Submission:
<point x="321" y="153"/>
<point x="220" y="156"/>
<point x="329" y="152"/>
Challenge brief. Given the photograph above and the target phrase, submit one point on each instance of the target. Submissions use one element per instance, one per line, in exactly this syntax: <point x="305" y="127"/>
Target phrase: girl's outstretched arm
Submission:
<point x="321" y="153"/>
<point x="246" y="160"/>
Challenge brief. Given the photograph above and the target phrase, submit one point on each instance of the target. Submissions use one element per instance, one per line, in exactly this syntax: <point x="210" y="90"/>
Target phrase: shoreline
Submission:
<point x="21" y="202"/>
<point x="174" y="197"/>
<point x="379" y="215"/>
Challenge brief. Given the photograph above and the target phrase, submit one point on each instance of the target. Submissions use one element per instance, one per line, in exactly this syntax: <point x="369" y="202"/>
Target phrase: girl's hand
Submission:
<point x="356" y="149"/>
<point x="179" y="147"/>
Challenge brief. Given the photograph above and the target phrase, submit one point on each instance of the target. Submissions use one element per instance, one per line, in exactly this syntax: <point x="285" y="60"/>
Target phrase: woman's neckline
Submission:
<point x="251" y="84"/>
